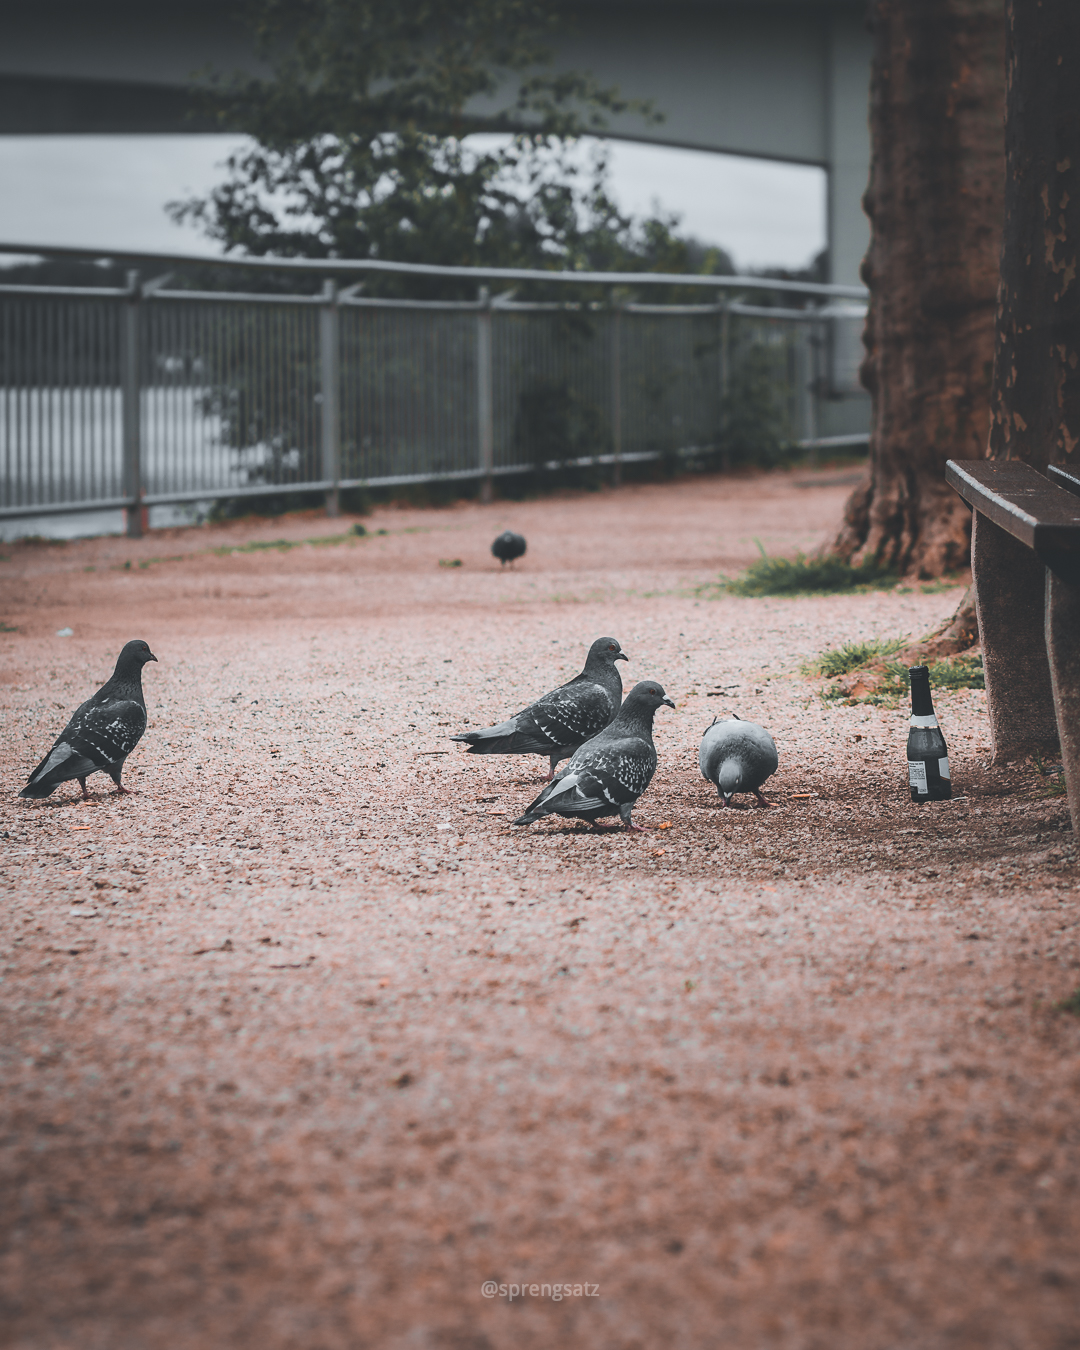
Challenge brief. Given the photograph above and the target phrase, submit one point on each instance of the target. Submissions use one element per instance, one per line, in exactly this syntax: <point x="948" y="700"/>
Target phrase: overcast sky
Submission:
<point x="110" y="191"/>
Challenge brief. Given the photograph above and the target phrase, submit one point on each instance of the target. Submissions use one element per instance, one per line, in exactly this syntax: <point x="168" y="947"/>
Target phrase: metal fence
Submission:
<point x="130" y="398"/>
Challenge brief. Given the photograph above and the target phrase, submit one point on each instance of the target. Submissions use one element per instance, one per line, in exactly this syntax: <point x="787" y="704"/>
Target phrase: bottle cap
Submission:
<point x="919" y="672"/>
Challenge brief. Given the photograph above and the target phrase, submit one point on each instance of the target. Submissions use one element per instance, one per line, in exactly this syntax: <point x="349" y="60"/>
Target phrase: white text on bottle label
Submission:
<point x="917" y="774"/>
<point x="943" y="768"/>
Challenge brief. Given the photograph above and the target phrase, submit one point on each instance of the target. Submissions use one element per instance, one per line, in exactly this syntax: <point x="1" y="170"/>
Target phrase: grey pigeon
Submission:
<point x="737" y="756"/>
<point x="102" y="733"/>
<point x="509" y="546"/>
<point x="607" y="775"/>
<point x="558" y="723"/>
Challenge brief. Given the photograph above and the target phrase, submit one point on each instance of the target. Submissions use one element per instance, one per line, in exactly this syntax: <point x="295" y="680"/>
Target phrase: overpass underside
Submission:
<point x="779" y="80"/>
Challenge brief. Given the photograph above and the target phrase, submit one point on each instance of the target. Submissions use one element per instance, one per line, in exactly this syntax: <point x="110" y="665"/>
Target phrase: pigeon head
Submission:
<point x="729" y="779"/>
<point x="134" y="655"/>
<point x="608" y="650"/>
<point x="644" y="699"/>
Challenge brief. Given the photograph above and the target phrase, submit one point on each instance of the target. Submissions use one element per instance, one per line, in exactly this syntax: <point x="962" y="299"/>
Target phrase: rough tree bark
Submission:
<point x="935" y="206"/>
<point x="1035" y="394"/>
<point x="1036" y="390"/>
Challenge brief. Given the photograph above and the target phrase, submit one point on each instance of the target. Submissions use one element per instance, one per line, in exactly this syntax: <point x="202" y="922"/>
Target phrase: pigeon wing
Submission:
<point x="108" y="732"/>
<point x="573" y="713"/>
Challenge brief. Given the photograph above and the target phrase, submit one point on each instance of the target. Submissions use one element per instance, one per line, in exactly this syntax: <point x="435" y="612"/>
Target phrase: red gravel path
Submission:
<point x="304" y="1042"/>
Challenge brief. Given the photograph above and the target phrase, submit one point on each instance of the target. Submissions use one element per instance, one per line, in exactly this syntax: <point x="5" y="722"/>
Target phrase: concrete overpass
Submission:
<point x="781" y="79"/>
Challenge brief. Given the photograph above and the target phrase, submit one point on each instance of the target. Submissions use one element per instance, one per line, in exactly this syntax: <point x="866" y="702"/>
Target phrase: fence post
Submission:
<point x="725" y="376"/>
<point x="813" y="403"/>
<point x="329" y="366"/>
<point x="616" y="390"/>
<point x="130" y="408"/>
<point x="485" y="409"/>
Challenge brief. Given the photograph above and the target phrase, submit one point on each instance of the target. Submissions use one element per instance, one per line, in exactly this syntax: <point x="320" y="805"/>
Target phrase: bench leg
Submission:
<point x="1063" y="648"/>
<point x="1010" y="589"/>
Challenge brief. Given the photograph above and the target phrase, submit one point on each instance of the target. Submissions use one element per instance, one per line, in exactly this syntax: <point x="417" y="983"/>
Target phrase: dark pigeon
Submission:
<point x="737" y="756"/>
<point x="509" y="546"/>
<point x="558" y="723"/>
<point x="102" y="733"/>
<point x="608" y="774"/>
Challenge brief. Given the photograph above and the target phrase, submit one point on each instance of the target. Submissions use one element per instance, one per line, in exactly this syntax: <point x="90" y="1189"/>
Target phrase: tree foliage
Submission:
<point x="360" y="144"/>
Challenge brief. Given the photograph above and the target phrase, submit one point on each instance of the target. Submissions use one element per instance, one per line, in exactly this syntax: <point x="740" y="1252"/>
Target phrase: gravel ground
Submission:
<point x="304" y="1041"/>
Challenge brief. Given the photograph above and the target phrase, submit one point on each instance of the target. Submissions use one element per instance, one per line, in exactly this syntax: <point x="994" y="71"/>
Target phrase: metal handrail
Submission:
<point x="359" y="266"/>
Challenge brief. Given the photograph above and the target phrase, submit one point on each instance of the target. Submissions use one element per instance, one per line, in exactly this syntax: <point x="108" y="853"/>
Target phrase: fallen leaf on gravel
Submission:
<point x="78" y="913"/>
<point x="657" y="852"/>
<point x="81" y="827"/>
<point x="665" y="825"/>
<point x="226" y="946"/>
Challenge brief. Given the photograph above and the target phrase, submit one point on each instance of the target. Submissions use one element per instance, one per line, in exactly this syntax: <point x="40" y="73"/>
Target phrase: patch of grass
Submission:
<point x="1069" y="1005"/>
<point x="841" y="660"/>
<point x="8" y="628"/>
<point x="816" y="575"/>
<point x="1053" y="776"/>
<point x="283" y="545"/>
<point x="953" y="672"/>
<point x="942" y="584"/>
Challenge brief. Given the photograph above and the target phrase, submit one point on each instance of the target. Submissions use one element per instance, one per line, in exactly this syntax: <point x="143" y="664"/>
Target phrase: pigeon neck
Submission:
<point x="601" y="671"/>
<point x="635" y="717"/>
<point x="128" y="673"/>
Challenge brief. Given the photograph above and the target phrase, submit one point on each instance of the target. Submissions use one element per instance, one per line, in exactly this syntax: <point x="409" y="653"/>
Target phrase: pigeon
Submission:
<point x="102" y="733"/>
<point x="737" y="756"/>
<point x="607" y="775"/>
<point x="558" y="723"/>
<point x="508" y="546"/>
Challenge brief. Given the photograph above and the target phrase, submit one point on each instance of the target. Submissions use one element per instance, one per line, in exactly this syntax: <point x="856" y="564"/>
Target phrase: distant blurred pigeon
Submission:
<point x="737" y="756"/>
<point x="608" y="774"/>
<point x="102" y="733"/>
<point x="558" y="723"/>
<point x="508" y="546"/>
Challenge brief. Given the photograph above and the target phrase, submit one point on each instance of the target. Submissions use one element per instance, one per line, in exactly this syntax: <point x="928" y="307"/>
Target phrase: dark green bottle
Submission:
<point x="927" y="753"/>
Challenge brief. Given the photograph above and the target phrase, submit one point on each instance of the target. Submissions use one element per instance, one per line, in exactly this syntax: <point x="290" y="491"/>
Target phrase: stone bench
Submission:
<point x="1025" y="561"/>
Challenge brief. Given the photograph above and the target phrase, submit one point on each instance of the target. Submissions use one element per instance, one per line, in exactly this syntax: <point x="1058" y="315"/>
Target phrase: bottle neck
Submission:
<point x="922" y="705"/>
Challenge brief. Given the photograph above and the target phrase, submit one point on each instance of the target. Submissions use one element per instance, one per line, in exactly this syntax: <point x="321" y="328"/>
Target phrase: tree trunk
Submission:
<point x="1036" y="391"/>
<point x="935" y="207"/>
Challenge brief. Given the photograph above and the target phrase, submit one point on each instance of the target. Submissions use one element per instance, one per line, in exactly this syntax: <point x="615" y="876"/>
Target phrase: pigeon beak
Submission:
<point x="669" y="703"/>
<point x="151" y="657"/>
<point x="622" y="656"/>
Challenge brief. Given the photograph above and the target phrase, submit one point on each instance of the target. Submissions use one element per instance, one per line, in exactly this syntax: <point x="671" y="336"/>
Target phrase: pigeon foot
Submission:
<point x="762" y="801"/>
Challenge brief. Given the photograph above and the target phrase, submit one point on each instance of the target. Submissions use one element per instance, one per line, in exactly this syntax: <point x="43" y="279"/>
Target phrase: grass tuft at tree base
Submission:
<point x="888" y="687"/>
<point x="836" y="661"/>
<point x="819" y="574"/>
<point x="1070" y="1004"/>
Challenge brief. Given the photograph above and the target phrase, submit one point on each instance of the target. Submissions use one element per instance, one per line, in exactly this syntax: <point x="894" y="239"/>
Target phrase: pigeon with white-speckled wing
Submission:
<point x="607" y="775"/>
<point x="558" y="723"/>
<point x="101" y="733"/>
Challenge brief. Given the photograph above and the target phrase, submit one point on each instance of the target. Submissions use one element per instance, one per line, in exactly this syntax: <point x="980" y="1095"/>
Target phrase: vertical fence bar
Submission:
<point x="724" y="354"/>
<point x="484" y="394"/>
<point x="131" y="412"/>
<point x="329" y="366"/>
<point x="813" y="403"/>
<point x="616" y="390"/>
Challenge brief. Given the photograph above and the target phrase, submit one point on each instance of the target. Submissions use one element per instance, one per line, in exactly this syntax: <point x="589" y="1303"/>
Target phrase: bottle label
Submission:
<point x="943" y="768"/>
<point x="916" y="770"/>
<point x="923" y="720"/>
